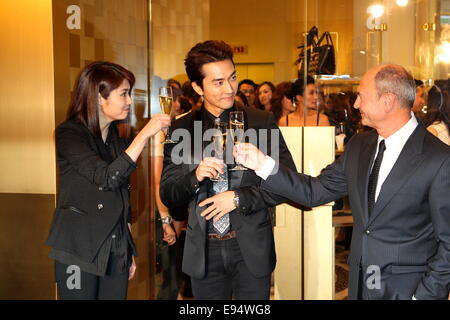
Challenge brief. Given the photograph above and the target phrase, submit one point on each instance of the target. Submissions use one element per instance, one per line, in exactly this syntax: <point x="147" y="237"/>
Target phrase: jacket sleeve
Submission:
<point x="435" y="283"/>
<point x="72" y="146"/>
<point x="178" y="185"/>
<point x="254" y="198"/>
<point x="309" y="191"/>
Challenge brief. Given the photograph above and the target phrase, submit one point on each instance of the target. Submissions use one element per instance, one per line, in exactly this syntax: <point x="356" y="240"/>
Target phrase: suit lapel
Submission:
<point x="366" y="156"/>
<point x="410" y="157"/>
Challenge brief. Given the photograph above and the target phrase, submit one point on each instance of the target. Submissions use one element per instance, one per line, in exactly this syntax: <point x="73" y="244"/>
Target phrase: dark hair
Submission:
<point x="283" y="89"/>
<point x="189" y="92"/>
<point x="298" y="87"/>
<point x="243" y="97"/>
<point x="172" y="82"/>
<point x="271" y="86"/>
<point x="418" y="82"/>
<point x="98" y="78"/>
<point x="185" y="104"/>
<point x="438" y="107"/>
<point x="247" y="81"/>
<point x="204" y="53"/>
<point x="397" y="80"/>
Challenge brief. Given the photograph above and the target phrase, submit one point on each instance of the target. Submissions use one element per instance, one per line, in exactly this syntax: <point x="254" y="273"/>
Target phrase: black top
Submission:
<point x="119" y="242"/>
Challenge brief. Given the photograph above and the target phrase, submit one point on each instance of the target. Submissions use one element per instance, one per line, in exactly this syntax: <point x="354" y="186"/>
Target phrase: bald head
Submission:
<point x="395" y="79"/>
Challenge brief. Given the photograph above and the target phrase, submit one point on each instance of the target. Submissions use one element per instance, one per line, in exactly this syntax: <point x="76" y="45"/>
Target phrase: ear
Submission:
<point x="101" y="100"/>
<point x="389" y="101"/>
<point x="299" y="99"/>
<point x="197" y="88"/>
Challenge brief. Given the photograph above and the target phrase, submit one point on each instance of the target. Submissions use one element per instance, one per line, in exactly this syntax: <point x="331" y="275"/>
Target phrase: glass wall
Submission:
<point x="272" y="39"/>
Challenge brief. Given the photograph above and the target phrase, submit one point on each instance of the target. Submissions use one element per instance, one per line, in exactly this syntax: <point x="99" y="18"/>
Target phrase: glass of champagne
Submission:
<point x="219" y="141"/>
<point x="237" y="132"/>
<point x="165" y="102"/>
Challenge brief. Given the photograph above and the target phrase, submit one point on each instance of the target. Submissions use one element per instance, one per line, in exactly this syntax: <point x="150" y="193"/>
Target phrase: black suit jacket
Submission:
<point x="408" y="233"/>
<point x="93" y="194"/>
<point x="251" y="220"/>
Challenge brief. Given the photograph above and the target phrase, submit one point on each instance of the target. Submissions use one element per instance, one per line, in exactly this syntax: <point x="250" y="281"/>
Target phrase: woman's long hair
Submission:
<point x="438" y="107"/>
<point x="283" y="89"/>
<point x="98" y="78"/>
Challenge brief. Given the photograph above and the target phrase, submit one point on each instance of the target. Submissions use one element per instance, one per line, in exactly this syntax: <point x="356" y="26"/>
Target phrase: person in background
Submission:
<point x="166" y="256"/>
<point x="265" y="94"/>
<point x="283" y="101"/>
<point x="419" y="102"/>
<point x="174" y="84"/>
<point x="241" y="99"/>
<point x="309" y="96"/>
<point x="248" y="87"/>
<point x="96" y="154"/>
<point x="194" y="97"/>
<point x="437" y="119"/>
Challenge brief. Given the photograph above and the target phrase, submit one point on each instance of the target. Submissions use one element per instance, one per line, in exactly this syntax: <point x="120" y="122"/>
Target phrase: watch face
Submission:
<point x="166" y="220"/>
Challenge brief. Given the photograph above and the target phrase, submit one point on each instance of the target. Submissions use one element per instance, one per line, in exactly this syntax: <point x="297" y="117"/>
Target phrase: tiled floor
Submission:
<point x="342" y="269"/>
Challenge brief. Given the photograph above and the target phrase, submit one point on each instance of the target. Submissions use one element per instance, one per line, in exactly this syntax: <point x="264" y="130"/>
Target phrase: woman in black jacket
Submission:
<point x="90" y="235"/>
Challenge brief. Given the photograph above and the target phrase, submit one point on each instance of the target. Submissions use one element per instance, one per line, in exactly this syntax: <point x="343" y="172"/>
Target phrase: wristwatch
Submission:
<point x="166" y="220"/>
<point x="236" y="200"/>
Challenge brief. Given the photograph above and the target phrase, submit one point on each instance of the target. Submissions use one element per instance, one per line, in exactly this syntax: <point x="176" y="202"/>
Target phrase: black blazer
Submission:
<point x="408" y="233"/>
<point x="251" y="220"/>
<point x="93" y="194"/>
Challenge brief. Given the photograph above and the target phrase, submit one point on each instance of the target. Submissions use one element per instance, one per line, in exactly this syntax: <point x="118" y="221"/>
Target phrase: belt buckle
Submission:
<point x="223" y="237"/>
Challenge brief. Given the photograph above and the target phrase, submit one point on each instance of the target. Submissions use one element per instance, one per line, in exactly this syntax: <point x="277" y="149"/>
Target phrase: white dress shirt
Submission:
<point x="394" y="145"/>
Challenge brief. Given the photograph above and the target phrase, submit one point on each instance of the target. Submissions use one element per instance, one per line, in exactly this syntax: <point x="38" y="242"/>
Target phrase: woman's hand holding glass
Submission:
<point x="165" y="103"/>
<point x="157" y="123"/>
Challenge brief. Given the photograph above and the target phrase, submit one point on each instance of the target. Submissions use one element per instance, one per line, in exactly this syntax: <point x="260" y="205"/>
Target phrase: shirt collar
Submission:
<point x="224" y="117"/>
<point x="399" y="138"/>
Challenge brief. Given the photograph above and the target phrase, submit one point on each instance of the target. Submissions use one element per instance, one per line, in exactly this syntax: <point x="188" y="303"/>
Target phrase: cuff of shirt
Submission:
<point x="267" y="168"/>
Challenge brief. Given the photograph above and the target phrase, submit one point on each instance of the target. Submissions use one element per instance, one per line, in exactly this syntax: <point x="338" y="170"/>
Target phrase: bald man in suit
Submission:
<point x="397" y="178"/>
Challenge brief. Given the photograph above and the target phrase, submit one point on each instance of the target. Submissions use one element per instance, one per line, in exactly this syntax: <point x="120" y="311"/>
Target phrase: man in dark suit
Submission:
<point x="233" y="255"/>
<point x="398" y="181"/>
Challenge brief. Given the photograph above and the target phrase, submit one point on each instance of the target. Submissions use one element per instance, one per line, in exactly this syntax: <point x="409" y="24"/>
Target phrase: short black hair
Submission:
<point x="248" y="81"/>
<point x="203" y="53"/>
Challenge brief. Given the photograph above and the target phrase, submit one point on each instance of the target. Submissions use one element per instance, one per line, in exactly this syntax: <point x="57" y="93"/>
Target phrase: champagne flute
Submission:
<point x="219" y="141"/>
<point x="237" y="132"/>
<point x="165" y="102"/>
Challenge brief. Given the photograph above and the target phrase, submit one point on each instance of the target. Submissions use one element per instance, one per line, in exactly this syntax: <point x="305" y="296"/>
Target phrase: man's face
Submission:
<point x="249" y="92"/>
<point x="368" y="101"/>
<point x="219" y="86"/>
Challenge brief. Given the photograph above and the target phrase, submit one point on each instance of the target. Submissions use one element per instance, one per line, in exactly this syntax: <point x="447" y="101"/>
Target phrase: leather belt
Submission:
<point x="226" y="236"/>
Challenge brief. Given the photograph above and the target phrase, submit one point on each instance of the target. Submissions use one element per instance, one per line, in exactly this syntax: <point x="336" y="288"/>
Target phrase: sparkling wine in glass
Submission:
<point x="237" y="132"/>
<point x="165" y="103"/>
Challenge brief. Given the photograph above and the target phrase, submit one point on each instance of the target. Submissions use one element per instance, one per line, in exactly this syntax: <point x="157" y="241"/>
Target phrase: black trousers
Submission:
<point x="74" y="284"/>
<point x="227" y="276"/>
